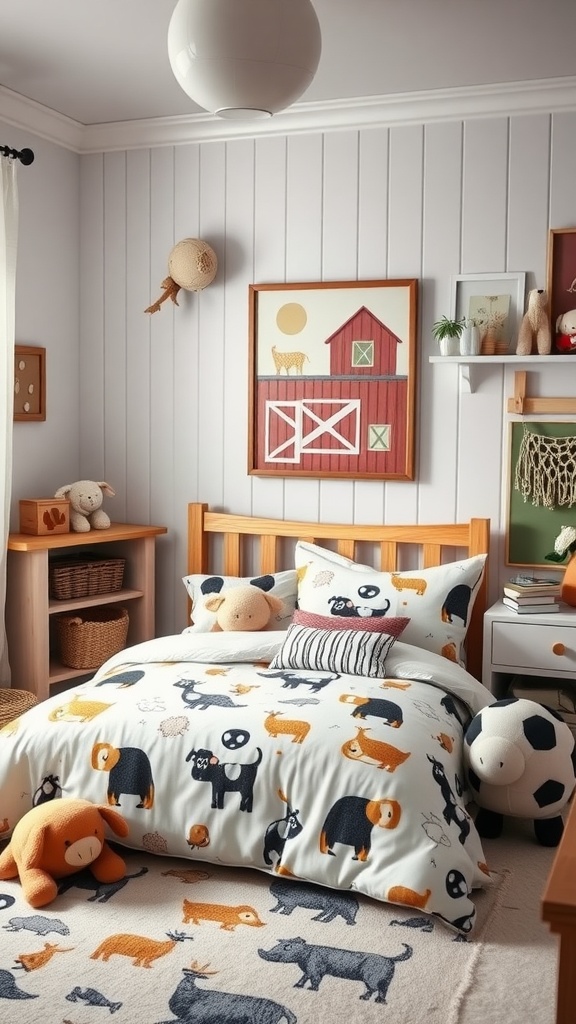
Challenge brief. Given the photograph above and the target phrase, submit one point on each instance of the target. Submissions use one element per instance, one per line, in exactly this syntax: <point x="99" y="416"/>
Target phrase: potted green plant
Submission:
<point x="448" y="333"/>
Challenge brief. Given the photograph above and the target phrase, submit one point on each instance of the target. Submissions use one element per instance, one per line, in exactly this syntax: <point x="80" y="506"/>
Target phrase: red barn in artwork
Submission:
<point x="352" y="422"/>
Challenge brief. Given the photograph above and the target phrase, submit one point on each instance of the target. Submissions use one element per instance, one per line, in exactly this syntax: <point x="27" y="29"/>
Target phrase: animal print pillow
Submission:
<point x="438" y="601"/>
<point x="281" y="584"/>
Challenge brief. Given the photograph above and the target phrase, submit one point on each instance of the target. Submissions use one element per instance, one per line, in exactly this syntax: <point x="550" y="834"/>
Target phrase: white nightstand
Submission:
<point x="537" y="645"/>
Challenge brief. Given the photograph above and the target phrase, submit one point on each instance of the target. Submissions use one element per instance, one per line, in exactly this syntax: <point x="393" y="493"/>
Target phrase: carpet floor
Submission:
<point x="183" y="941"/>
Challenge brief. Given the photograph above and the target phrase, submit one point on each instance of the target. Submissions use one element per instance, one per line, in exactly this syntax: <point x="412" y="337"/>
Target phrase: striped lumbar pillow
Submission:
<point x="349" y="652"/>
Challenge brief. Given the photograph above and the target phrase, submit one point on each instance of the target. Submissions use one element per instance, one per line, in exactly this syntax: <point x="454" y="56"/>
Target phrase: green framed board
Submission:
<point x="532" y="529"/>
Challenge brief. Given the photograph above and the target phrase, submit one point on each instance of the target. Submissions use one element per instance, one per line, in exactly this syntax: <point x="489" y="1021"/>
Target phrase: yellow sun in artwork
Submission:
<point x="291" y="318"/>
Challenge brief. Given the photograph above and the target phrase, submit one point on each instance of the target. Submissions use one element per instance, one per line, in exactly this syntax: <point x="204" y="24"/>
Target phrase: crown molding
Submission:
<point x="549" y="96"/>
<point x="27" y="115"/>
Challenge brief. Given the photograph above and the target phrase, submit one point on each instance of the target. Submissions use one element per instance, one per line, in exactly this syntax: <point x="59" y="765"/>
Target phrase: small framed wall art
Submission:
<point x="495" y="302"/>
<point x="29" y="382"/>
<point x="332" y="379"/>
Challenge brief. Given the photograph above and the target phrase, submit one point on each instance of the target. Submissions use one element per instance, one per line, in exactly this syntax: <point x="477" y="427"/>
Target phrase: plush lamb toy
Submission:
<point x="243" y="608"/>
<point x="518" y="759"/>
<point x="86" y="497"/>
<point x="58" y="838"/>
<point x="535" y="326"/>
<point x="566" y="332"/>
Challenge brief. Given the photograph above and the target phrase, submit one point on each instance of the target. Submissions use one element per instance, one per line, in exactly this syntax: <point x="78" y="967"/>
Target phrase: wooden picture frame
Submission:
<point x="332" y="379"/>
<point x="531" y="529"/>
<point x="29" y="383"/>
<point x="468" y="289"/>
<point x="561" y="273"/>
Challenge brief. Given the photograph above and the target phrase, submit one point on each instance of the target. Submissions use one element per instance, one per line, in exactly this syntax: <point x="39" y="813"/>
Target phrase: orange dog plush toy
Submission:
<point x="57" y="838"/>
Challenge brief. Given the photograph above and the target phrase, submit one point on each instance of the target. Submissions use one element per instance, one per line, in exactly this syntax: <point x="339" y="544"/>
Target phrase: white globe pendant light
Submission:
<point x="244" y="59"/>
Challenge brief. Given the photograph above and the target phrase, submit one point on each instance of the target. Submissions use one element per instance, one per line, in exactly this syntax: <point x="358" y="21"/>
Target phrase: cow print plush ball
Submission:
<point x="518" y="758"/>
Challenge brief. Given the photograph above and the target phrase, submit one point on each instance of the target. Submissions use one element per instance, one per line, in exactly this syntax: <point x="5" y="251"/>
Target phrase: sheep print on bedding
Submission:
<point x="351" y="782"/>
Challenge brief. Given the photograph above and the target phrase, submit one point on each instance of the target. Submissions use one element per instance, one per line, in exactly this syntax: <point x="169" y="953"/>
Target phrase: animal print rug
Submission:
<point x="176" y="941"/>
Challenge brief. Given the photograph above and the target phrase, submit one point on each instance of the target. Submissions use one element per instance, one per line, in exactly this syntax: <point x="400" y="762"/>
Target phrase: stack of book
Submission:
<point x="530" y="595"/>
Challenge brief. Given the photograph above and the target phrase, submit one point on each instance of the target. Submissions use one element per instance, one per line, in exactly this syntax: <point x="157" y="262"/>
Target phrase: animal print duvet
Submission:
<point x="351" y="782"/>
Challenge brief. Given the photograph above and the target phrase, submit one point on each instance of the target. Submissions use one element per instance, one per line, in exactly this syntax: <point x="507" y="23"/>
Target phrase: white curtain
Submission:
<point x="8" y="250"/>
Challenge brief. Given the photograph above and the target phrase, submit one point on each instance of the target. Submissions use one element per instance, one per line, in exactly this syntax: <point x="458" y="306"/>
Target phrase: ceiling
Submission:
<point x="106" y="61"/>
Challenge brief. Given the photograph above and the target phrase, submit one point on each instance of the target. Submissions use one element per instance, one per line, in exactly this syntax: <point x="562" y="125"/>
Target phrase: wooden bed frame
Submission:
<point x="436" y="544"/>
<point x="559" y="911"/>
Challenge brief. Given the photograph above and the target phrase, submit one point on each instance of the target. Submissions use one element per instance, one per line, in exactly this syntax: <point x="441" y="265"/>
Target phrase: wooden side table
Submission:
<point x="32" y="651"/>
<point x="559" y="911"/>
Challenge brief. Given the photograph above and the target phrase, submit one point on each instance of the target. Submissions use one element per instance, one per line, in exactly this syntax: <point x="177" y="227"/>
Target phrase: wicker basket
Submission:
<point x="88" y="639"/>
<point x="80" y="577"/>
<point x="14" y="703"/>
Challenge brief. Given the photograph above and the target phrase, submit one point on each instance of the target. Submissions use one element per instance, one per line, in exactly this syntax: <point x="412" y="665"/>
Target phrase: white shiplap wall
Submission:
<point x="162" y="411"/>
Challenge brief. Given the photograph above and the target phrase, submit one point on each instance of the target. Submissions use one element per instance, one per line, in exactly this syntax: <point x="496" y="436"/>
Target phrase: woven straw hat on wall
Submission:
<point x="192" y="264"/>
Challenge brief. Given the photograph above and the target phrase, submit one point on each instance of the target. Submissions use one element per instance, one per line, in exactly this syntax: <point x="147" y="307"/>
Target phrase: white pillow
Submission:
<point x="345" y="651"/>
<point x="282" y="584"/>
<point x="438" y="600"/>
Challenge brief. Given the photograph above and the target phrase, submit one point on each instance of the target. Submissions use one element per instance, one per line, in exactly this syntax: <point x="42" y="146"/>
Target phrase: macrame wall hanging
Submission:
<point x="546" y="469"/>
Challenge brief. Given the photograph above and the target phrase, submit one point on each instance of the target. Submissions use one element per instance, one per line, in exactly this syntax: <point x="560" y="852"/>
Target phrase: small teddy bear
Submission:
<point x="535" y="326"/>
<point x="86" y="497"/>
<point x="566" y="332"/>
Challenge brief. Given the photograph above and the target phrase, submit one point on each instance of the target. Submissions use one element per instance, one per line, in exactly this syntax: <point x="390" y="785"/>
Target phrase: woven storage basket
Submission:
<point x="79" y="577"/>
<point x="14" y="703"/>
<point x="88" y="639"/>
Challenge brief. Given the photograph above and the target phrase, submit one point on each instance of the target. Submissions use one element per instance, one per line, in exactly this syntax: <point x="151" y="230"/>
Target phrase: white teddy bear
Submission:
<point x="566" y="332"/>
<point x="535" y="326"/>
<point x="86" y="497"/>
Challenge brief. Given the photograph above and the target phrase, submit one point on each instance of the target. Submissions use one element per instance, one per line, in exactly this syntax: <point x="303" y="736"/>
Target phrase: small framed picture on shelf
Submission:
<point x="495" y="303"/>
<point x="561" y="287"/>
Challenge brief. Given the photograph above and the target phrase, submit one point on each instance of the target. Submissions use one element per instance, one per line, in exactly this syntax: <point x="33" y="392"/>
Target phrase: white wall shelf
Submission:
<point x="467" y="364"/>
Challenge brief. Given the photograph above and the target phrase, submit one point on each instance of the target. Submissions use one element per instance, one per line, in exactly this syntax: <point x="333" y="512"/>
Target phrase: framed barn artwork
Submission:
<point x="332" y="379"/>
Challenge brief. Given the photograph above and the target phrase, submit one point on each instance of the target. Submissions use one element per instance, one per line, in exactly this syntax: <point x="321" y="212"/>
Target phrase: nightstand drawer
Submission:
<point x="545" y="648"/>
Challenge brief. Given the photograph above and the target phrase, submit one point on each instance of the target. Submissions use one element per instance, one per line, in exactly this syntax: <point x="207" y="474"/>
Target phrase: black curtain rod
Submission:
<point x="25" y="156"/>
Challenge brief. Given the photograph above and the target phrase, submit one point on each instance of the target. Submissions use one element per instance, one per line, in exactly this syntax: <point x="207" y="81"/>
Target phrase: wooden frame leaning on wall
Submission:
<point x="535" y="514"/>
<point x="561" y="274"/>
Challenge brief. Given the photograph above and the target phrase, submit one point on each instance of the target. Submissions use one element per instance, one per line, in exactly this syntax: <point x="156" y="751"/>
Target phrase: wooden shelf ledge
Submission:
<point x="523" y="405"/>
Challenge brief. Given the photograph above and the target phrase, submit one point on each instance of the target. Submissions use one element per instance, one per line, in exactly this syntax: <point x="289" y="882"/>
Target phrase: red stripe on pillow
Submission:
<point x="394" y="625"/>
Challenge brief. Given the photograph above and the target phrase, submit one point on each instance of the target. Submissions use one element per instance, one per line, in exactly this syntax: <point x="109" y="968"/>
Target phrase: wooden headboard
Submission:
<point x="436" y="544"/>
